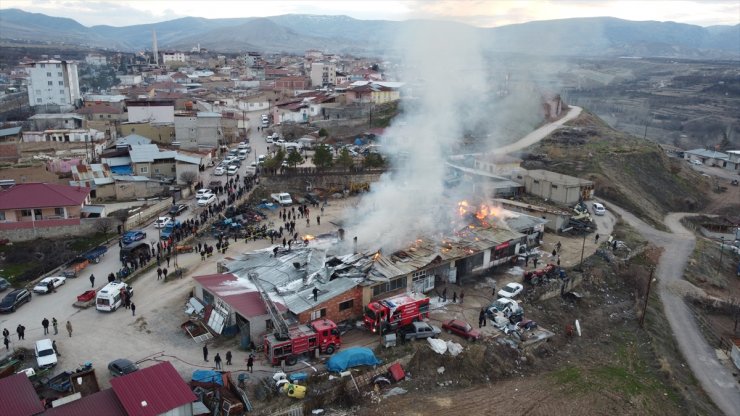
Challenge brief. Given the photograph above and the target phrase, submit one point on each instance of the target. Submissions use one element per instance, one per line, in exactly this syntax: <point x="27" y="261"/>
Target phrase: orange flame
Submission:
<point x="308" y="237"/>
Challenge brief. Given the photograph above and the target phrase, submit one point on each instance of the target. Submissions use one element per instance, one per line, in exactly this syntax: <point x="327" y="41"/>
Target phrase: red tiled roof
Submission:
<point x="100" y="109"/>
<point x="244" y="299"/>
<point x="159" y="386"/>
<point x="104" y="402"/>
<point x="42" y="195"/>
<point x="17" y="396"/>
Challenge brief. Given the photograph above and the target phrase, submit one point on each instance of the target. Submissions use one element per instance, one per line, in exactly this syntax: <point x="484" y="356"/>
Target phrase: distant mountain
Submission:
<point x="599" y="36"/>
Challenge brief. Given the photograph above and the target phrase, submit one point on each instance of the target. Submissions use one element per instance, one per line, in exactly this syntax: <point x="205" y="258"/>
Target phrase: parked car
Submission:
<point x="510" y="290"/>
<point x="121" y="367"/>
<point x="162" y="222"/>
<point x="461" y="328"/>
<point x="219" y="171"/>
<point x="45" y="355"/>
<point x="599" y="209"/>
<point x="418" y="330"/>
<point x="696" y="162"/>
<point x="505" y="306"/>
<point x="15" y="299"/>
<point x="177" y="209"/>
<point x="4" y="284"/>
<point x="231" y="171"/>
<point x="202" y="192"/>
<point x="242" y="146"/>
<point x="133" y="235"/>
<point x="42" y="286"/>
<point x="206" y="200"/>
<point x="312" y="198"/>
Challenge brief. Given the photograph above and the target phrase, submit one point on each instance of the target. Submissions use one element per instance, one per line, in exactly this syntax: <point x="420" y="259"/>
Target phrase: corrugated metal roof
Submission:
<point x="116" y="161"/>
<point x="133" y="139"/>
<point x="10" y="131"/>
<point x="237" y="292"/>
<point x="187" y="159"/>
<point x="708" y="153"/>
<point x="17" y="396"/>
<point x="104" y="402"/>
<point x="42" y="195"/>
<point x="152" y="391"/>
<point x="144" y="153"/>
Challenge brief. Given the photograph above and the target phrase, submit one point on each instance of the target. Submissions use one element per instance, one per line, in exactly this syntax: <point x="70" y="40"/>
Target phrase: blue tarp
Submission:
<point x="121" y="170"/>
<point x="351" y="357"/>
<point x="208" y="376"/>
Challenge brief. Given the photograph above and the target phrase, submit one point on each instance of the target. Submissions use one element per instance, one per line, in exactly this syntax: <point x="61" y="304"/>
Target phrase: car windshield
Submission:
<point x="370" y="314"/>
<point x="508" y="289"/>
<point x="46" y="353"/>
<point x="499" y="304"/>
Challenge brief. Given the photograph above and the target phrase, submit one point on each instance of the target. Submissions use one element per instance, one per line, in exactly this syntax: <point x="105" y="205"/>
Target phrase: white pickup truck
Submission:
<point x="282" y="198"/>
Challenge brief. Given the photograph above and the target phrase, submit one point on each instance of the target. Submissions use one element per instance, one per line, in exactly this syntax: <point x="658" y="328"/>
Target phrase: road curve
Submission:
<point x="678" y="245"/>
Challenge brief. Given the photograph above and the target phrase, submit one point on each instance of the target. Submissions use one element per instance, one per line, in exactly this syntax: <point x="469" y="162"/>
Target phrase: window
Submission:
<point x="59" y="212"/>
<point x="143" y="169"/>
<point x="43" y="65"/>
<point x="38" y="100"/>
<point x="25" y="213"/>
<point x="61" y="83"/>
<point x="318" y="314"/>
<point x="59" y="74"/>
<point x="207" y="298"/>
<point x="38" y="92"/>
<point x="554" y="187"/>
<point x="536" y="181"/>
<point x="58" y="65"/>
<point x="2" y="216"/>
<point x="48" y="74"/>
<point x="347" y="304"/>
<point x="50" y="83"/>
<point x="389" y="286"/>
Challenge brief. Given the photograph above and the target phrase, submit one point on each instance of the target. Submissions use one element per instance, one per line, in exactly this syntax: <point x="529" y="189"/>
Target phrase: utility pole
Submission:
<point x="721" y="252"/>
<point x="647" y="297"/>
<point x="583" y="248"/>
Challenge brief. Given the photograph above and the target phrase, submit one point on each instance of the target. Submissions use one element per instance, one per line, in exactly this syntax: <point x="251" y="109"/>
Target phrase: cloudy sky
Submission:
<point x="486" y="13"/>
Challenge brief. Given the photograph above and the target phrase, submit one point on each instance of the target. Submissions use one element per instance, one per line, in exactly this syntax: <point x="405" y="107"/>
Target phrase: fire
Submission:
<point x="308" y="237"/>
<point x="483" y="213"/>
<point x="376" y="256"/>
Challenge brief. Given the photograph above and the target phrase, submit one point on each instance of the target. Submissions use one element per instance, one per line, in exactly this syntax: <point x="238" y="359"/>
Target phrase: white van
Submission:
<point x="109" y="297"/>
<point x="243" y="154"/>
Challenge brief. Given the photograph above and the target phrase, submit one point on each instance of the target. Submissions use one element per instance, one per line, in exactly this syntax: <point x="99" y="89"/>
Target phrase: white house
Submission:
<point x="53" y="82"/>
<point x="174" y="57"/>
<point x="152" y="111"/>
<point x="323" y="73"/>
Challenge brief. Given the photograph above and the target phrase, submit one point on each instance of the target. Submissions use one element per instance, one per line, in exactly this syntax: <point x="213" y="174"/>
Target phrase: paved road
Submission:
<point x="678" y="246"/>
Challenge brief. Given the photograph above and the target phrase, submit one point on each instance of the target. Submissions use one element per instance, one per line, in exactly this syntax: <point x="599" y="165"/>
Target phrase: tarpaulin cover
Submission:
<point x="208" y="376"/>
<point x="351" y="357"/>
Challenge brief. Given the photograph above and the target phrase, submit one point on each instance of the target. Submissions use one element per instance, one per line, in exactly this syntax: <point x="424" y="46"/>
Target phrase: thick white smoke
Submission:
<point x="444" y="66"/>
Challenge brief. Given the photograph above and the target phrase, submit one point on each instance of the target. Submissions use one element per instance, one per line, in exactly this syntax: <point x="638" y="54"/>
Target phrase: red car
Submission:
<point x="461" y="328"/>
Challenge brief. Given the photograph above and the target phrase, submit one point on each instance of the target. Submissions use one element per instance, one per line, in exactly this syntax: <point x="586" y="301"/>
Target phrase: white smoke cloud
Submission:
<point x="444" y="64"/>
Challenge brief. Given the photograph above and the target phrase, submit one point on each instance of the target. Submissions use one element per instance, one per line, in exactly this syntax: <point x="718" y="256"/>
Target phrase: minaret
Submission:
<point x="154" y="47"/>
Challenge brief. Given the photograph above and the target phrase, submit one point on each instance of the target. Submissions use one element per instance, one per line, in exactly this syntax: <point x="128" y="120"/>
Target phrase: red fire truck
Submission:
<point x="321" y="334"/>
<point x="393" y="313"/>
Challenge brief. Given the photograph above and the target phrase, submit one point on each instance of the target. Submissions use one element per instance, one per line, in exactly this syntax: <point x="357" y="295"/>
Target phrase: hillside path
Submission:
<point x="540" y="133"/>
<point x="716" y="379"/>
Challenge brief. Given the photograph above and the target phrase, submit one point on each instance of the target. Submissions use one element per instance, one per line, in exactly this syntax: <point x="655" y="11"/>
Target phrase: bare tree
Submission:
<point x="104" y="225"/>
<point x="188" y="177"/>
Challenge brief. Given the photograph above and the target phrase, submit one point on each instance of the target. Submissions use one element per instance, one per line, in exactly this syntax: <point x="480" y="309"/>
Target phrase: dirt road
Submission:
<point x="538" y="134"/>
<point x="678" y="245"/>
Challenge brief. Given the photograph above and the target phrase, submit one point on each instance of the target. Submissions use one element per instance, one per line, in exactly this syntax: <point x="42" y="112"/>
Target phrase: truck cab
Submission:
<point x="303" y="340"/>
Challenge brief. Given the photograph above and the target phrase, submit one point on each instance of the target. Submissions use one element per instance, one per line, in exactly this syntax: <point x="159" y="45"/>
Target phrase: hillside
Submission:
<point x="597" y="36"/>
<point x="634" y="174"/>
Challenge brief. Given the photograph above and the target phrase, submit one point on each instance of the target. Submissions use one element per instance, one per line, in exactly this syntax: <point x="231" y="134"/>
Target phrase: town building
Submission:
<point x="323" y="74"/>
<point x="373" y="92"/>
<point x="9" y="144"/>
<point x="194" y="130"/>
<point x="96" y="59"/>
<point x="151" y="111"/>
<point x="170" y="57"/>
<point x="53" y="82"/>
<point x="556" y="187"/>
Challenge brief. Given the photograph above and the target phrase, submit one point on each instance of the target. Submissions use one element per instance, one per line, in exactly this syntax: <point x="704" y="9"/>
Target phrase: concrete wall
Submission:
<point x="74" y="227"/>
<point x="158" y="133"/>
<point x="133" y="190"/>
<point x="333" y="180"/>
<point x="147" y="214"/>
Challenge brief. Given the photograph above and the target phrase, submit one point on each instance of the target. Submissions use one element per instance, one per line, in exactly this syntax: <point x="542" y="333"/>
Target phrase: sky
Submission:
<point x="484" y="13"/>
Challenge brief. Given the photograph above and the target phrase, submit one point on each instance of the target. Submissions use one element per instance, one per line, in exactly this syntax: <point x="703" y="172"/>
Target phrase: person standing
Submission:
<point x="444" y="295"/>
<point x="315" y="294"/>
<point x="6" y="341"/>
<point x="133" y="309"/>
<point x="534" y="262"/>
<point x="482" y="318"/>
<point x="55" y="324"/>
<point x="21" y="330"/>
<point x="228" y="357"/>
<point x="318" y="220"/>
<point x="250" y="363"/>
<point x="92" y="280"/>
<point x="217" y="360"/>
<point x="6" y="333"/>
<point x="45" y="324"/>
<point x="54" y="346"/>
<point x="462" y="297"/>
<point x="159" y="273"/>
<point x="205" y="352"/>
<point x="454" y="297"/>
<point x="596" y="239"/>
<point x="164" y="273"/>
<point x="494" y="290"/>
<point x="69" y="328"/>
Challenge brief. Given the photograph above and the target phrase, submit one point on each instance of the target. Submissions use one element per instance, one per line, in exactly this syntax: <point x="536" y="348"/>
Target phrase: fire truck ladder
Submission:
<point x="281" y="327"/>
